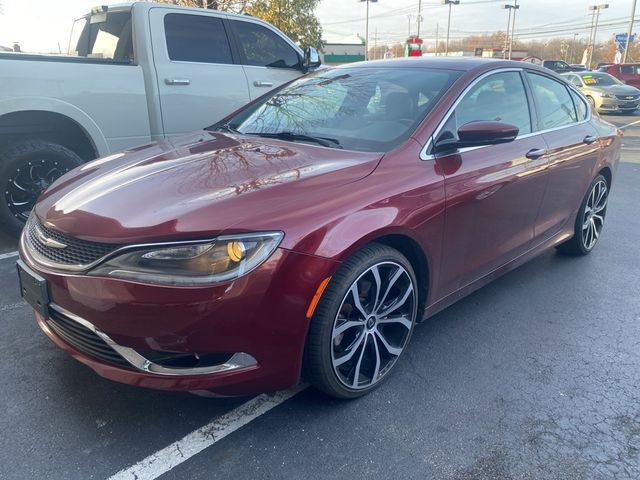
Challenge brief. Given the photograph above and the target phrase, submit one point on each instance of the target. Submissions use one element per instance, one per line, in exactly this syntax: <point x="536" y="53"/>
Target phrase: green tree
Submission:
<point x="296" y="18"/>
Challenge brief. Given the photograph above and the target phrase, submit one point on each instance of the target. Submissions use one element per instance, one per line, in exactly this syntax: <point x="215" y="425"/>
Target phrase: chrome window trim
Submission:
<point x="237" y="361"/>
<point x="428" y="156"/>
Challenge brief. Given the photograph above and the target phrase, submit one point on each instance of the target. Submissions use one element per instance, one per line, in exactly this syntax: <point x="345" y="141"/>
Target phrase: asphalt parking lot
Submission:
<point x="535" y="376"/>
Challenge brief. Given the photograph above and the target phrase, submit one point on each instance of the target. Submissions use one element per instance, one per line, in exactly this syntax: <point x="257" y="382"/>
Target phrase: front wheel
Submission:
<point x="362" y="323"/>
<point x="26" y="170"/>
<point x="590" y="220"/>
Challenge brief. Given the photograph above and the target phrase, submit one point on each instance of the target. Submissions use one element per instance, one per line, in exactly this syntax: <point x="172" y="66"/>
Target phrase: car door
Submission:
<point x="493" y="193"/>
<point x="563" y="116"/>
<point x="197" y="79"/>
<point x="269" y="60"/>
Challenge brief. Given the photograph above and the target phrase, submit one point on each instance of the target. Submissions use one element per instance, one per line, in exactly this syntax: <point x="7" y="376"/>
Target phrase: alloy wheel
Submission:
<point x="373" y="325"/>
<point x="26" y="184"/>
<point x="594" y="213"/>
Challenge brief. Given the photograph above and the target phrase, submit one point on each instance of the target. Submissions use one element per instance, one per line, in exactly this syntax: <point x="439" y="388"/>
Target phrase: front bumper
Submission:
<point x="612" y="104"/>
<point x="256" y="323"/>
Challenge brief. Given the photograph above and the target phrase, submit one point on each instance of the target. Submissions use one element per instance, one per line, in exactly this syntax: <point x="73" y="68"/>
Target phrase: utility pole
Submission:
<point x="366" y="41"/>
<point x="629" y="32"/>
<point x="450" y="3"/>
<point x="375" y="44"/>
<point x="596" y="9"/>
<point x="409" y="16"/>
<point x="419" y="16"/>
<point x="506" y="37"/>
<point x="437" y="37"/>
<point x="513" y="26"/>
<point x="573" y="47"/>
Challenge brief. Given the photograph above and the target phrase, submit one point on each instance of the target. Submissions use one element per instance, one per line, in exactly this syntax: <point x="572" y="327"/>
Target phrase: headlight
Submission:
<point x="605" y="95"/>
<point x="223" y="259"/>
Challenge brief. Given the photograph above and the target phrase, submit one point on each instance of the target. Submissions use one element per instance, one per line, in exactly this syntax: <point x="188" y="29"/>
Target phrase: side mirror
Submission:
<point x="311" y="59"/>
<point x="478" y="134"/>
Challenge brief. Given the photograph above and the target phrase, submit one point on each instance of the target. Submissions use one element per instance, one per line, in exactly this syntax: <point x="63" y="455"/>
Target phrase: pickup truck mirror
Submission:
<point x="311" y="59"/>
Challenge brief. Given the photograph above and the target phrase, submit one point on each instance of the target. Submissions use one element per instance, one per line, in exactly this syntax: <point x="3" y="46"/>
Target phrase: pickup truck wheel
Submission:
<point x="26" y="170"/>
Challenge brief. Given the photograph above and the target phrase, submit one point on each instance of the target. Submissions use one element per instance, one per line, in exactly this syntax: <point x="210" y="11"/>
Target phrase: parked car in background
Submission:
<point x="138" y="72"/>
<point x="605" y="92"/>
<point x="558" y="66"/>
<point x="315" y="226"/>
<point x="578" y="67"/>
<point x="628" y="73"/>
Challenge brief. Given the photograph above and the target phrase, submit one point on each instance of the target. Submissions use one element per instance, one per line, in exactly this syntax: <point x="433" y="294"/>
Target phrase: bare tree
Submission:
<point x="237" y="6"/>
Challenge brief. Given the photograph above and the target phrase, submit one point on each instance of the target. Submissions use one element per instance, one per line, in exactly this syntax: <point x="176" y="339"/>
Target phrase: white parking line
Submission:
<point x="173" y="455"/>
<point x="630" y="124"/>
<point x="8" y="255"/>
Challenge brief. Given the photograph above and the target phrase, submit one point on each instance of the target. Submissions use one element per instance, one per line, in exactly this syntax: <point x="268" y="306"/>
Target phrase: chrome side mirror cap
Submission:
<point x="311" y="59"/>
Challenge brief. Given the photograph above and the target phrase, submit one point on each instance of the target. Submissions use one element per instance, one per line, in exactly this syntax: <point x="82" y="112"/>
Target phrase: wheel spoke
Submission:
<point x="376" y="370"/>
<point x="402" y="320"/>
<point x="356" y="373"/>
<point x="392" y="282"/>
<point x="600" y="208"/>
<point x="594" y="228"/>
<point x="602" y="191"/>
<point x="399" y="303"/>
<point x="343" y="327"/>
<point x="600" y="218"/>
<point x="19" y="187"/>
<point x="354" y="348"/>
<point x="376" y="275"/>
<point x="356" y="300"/>
<point x="389" y="348"/>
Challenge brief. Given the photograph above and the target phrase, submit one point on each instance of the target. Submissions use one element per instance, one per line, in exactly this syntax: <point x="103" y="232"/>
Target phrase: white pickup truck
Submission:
<point x="134" y="73"/>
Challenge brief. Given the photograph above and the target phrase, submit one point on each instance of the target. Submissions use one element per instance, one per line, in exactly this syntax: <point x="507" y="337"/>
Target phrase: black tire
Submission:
<point x="320" y="346"/>
<point x="26" y="169"/>
<point x="582" y="243"/>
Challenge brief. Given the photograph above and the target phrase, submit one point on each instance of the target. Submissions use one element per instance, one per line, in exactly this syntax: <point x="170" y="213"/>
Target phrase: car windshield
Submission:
<point x="599" y="80"/>
<point x="356" y="108"/>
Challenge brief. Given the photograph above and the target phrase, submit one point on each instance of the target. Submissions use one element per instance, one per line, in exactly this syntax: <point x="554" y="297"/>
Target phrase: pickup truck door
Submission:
<point x="198" y="81"/>
<point x="269" y="59"/>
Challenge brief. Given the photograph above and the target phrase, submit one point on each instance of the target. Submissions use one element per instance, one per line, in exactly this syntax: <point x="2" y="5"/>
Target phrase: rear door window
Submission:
<point x="581" y="106"/>
<point x="555" y="106"/>
<point x="196" y="38"/>
<point x="262" y="47"/>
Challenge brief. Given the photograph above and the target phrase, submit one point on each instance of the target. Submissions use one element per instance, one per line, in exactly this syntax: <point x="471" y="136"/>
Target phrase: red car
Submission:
<point x="629" y="73"/>
<point x="316" y="226"/>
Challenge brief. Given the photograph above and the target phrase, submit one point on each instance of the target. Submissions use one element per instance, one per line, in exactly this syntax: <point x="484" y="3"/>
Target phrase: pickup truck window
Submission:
<point x="196" y="38"/>
<point x="110" y="39"/>
<point x="264" y="48"/>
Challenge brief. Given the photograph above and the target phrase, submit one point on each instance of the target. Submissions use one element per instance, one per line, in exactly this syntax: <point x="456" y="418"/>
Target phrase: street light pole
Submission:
<point x="419" y="16"/>
<point x="597" y="9"/>
<point x="409" y="16"/>
<point x="366" y="34"/>
<point x="450" y="3"/>
<point x="629" y="32"/>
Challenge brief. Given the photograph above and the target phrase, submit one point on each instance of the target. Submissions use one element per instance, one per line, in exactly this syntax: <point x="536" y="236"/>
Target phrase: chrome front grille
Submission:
<point x="55" y="249"/>
<point x="628" y="98"/>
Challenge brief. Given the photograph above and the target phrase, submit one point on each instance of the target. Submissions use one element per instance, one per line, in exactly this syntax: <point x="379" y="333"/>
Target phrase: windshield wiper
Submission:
<point x="324" y="141"/>
<point x="226" y="127"/>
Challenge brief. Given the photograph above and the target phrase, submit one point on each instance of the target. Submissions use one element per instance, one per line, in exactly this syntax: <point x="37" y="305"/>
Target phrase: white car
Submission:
<point x="136" y="73"/>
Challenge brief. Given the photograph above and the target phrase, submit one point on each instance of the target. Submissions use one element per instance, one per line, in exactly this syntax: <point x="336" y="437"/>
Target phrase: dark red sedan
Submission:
<point x="311" y="230"/>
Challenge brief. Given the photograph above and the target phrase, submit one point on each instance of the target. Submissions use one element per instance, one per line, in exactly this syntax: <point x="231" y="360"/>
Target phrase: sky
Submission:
<point x="42" y="25"/>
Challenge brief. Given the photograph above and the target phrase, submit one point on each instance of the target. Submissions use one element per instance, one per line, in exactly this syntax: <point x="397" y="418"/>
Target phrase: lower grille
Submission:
<point x="84" y="340"/>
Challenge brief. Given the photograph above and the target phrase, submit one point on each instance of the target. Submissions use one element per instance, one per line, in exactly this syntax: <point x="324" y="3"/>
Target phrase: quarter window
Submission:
<point x="196" y="38"/>
<point x="500" y="97"/>
<point x="263" y="47"/>
<point x="554" y="102"/>
<point x="581" y="106"/>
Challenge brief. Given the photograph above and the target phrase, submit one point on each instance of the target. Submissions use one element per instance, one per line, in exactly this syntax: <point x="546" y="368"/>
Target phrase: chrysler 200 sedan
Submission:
<point x="312" y="229"/>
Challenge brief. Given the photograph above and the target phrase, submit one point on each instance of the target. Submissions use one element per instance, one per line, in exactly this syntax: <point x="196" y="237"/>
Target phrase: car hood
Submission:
<point x="193" y="186"/>
<point x="616" y="89"/>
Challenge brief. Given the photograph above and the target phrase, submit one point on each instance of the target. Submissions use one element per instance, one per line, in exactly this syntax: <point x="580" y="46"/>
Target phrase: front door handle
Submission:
<point x="259" y="83"/>
<point x="535" y="153"/>
<point x="177" y="81"/>
<point x="589" y="139"/>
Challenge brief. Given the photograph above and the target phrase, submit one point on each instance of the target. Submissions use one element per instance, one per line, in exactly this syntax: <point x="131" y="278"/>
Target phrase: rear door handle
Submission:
<point x="177" y="81"/>
<point x="589" y="139"/>
<point x="535" y="153"/>
<point x="259" y="83"/>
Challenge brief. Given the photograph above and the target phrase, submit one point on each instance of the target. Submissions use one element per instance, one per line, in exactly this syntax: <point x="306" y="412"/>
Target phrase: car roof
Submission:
<point x="450" y="63"/>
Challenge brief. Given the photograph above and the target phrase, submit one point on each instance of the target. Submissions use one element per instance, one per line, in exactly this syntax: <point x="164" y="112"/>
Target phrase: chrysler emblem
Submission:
<point x="48" y="242"/>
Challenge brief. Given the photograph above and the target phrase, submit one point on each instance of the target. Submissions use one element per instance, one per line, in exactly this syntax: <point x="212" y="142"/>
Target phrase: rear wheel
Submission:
<point x="590" y="220"/>
<point x="362" y="323"/>
<point x="26" y="170"/>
